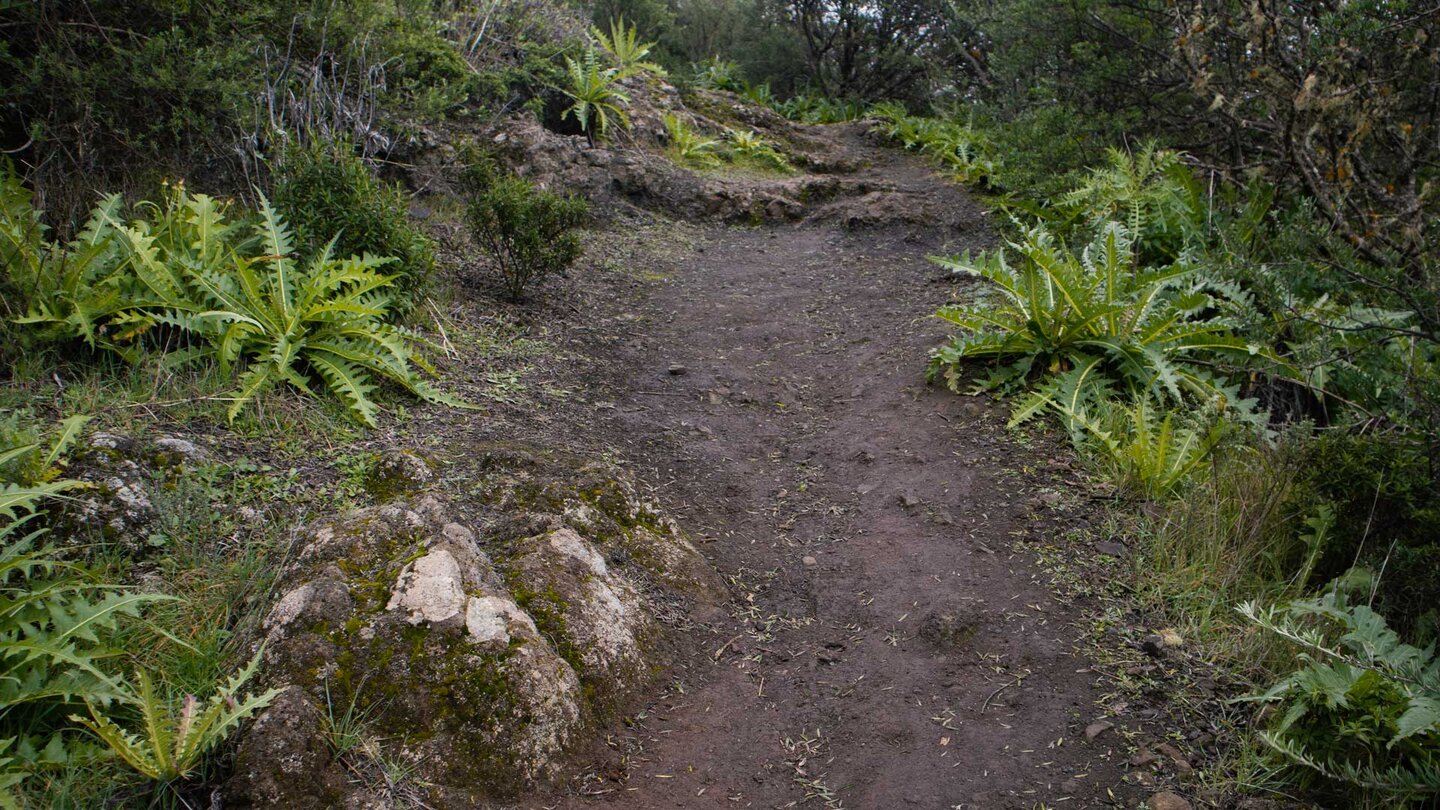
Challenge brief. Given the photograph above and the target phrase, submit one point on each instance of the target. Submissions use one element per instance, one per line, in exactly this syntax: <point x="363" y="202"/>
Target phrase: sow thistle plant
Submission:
<point x="747" y="145"/>
<point x="1088" y="332"/>
<point x="1362" y="709"/>
<point x="1152" y="330"/>
<point x="625" y="49"/>
<point x="958" y="149"/>
<point x="596" y="99"/>
<point x="218" y="290"/>
<point x="690" y="146"/>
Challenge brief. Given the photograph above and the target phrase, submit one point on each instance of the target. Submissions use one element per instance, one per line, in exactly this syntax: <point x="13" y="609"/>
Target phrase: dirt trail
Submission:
<point x="891" y="643"/>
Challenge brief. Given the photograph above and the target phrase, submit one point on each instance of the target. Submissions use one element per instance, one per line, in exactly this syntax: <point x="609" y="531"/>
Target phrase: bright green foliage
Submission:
<point x="689" y="145"/>
<point x="236" y="291"/>
<point x="595" y="97"/>
<point x="625" y="49"/>
<point x="64" y="294"/>
<point x="1151" y="191"/>
<point x="751" y="147"/>
<point x="959" y="149"/>
<point x="28" y="472"/>
<point x="173" y="744"/>
<point x="325" y="192"/>
<point x="1148" y="329"/>
<point x="56" y="632"/>
<point x="719" y="74"/>
<point x="527" y="232"/>
<point x="760" y="95"/>
<point x="1363" y="709"/>
<point x="819" y="109"/>
<point x="1147" y="449"/>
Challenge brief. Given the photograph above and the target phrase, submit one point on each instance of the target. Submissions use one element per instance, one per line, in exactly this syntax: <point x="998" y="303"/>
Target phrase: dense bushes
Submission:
<point x="325" y="192"/>
<point x="122" y="94"/>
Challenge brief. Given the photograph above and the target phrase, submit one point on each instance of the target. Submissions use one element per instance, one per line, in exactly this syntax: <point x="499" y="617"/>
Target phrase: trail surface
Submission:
<point x="890" y="643"/>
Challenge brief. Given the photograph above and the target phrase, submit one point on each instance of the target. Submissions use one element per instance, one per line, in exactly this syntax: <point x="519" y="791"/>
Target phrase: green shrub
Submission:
<point x="1047" y="149"/>
<point x="327" y="193"/>
<point x="1383" y="491"/>
<point x="426" y="78"/>
<point x="527" y="232"/>
<point x="1363" y="709"/>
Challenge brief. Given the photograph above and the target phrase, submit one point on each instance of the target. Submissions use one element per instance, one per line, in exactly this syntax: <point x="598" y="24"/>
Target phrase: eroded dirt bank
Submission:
<point x="890" y="643"/>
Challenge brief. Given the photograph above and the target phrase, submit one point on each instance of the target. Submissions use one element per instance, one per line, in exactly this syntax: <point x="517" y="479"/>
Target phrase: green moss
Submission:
<point x="547" y="607"/>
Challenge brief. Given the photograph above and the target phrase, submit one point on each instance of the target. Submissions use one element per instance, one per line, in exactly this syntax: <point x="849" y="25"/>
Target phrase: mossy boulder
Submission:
<point x="476" y="660"/>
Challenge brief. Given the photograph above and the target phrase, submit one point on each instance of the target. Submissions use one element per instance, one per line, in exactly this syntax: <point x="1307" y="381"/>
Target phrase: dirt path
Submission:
<point x="890" y="644"/>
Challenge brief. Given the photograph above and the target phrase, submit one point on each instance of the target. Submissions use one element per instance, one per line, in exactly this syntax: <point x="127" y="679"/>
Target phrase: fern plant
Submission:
<point x="689" y="146"/>
<point x="1363" y="709"/>
<point x="625" y="49"/>
<point x="596" y="99"/>
<point x="173" y="743"/>
<point x="1150" y="330"/>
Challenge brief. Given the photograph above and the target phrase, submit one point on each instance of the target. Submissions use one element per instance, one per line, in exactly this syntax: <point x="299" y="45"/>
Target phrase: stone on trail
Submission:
<point x="1165" y="800"/>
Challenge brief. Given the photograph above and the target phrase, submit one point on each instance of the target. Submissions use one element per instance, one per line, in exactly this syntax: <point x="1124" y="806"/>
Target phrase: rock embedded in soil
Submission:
<point x="1165" y="800"/>
<point x="116" y="508"/>
<point x="483" y="657"/>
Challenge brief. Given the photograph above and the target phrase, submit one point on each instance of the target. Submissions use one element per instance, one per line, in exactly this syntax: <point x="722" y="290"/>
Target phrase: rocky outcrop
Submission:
<point x="480" y="638"/>
<point x="120" y="473"/>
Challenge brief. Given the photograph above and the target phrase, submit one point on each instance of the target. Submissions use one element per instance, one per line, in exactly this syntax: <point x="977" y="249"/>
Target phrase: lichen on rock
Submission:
<point x="485" y="656"/>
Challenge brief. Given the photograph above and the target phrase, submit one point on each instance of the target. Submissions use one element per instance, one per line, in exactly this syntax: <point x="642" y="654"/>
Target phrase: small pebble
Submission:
<point x="808" y="560"/>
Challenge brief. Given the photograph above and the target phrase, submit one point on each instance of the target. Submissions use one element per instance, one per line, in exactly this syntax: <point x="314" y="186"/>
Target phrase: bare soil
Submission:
<point x="891" y="641"/>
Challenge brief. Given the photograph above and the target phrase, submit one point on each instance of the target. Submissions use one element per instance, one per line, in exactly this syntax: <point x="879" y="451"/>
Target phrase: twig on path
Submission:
<point x="726" y="645"/>
<point x="1019" y="679"/>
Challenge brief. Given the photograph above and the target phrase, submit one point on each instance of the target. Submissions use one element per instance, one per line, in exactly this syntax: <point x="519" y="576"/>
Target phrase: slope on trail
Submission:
<point x="890" y="643"/>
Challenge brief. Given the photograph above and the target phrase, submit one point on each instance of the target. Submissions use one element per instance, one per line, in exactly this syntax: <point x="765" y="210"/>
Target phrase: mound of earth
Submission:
<point x="835" y="179"/>
<point x="474" y="639"/>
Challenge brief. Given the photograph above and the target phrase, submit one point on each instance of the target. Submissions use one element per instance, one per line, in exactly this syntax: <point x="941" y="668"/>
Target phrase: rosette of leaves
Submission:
<point x="625" y="49"/>
<point x="595" y="98"/>
<point x="1149" y="331"/>
<point x="233" y="292"/>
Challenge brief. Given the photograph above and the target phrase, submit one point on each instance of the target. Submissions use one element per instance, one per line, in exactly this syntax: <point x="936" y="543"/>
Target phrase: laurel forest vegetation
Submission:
<point x="1217" y="275"/>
